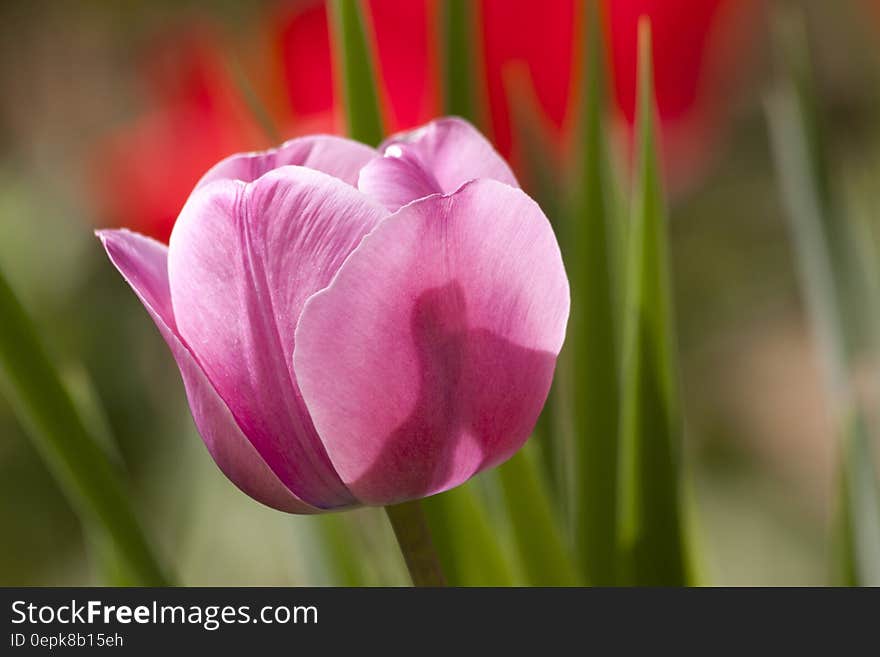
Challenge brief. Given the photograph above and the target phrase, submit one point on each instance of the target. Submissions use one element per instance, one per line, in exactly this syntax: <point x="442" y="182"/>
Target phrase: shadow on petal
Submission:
<point x="477" y="402"/>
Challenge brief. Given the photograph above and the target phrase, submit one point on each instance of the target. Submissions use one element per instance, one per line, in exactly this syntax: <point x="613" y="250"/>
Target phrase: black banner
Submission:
<point x="412" y="621"/>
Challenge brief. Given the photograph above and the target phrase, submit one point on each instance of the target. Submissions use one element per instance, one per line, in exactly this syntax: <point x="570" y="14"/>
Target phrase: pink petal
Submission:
<point x="437" y="158"/>
<point x="339" y="157"/>
<point x="143" y="264"/>
<point x="242" y="261"/>
<point x="430" y="355"/>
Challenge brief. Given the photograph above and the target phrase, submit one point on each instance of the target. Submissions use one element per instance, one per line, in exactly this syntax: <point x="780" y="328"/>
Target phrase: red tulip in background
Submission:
<point x="536" y="36"/>
<point x="195" y="114"/>
<point x="407" y="65"/>
<point x="701" y="49"/>
<point x="143" y="171"/>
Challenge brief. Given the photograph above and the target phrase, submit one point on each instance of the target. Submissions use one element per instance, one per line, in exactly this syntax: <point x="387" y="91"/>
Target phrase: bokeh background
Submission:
<point x="110" y="111"/>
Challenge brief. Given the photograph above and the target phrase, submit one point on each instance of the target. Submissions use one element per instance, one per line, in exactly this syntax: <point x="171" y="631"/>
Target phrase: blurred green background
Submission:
<point x="760" y="447"/>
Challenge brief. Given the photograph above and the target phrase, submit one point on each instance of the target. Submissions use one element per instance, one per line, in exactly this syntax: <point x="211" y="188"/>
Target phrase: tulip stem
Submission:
<point x="414" y="538"/>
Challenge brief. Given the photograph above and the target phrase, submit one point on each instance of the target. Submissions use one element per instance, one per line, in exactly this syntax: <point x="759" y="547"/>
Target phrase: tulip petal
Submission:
<point x="430" y="355"/>
<point x="143" y="264"/>
<point x="243" y="259"/>
<point x="339" y="157"/>
<point x="435" y="159"/>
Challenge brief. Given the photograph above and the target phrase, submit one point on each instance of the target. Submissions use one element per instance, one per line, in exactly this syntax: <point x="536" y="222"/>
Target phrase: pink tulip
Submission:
<point x="357" y="326"/>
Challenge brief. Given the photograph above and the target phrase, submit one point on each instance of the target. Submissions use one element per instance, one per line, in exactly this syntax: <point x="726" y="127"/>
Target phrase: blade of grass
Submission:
<point x="555" y="435"/>
<point x="355" y="76"/>
<point x="651" y="523"/>
<point x="544" y="556"/>
<point x="109" y="566"/>
<point x="857" y="548"/>
<point x="458" y="59"/>
<point x="836" y="290"/>
<point x="91" y="482"/>
<point x="593" y="327"/>
<point x="800" y="165"/>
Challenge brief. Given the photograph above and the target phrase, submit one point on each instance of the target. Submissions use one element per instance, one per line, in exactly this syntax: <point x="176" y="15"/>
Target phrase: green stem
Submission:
<point x="414" y="538"/>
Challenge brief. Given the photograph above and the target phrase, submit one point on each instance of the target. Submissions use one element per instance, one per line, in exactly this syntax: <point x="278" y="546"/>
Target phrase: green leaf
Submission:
<point x="837" y="286"/>
<point x="466" y="542"/>
<point x="540" y="172"/>
<point x="109" y="565"/>
<point x="651" y="518"/>
<point x="858" y="514"/>
<point x="593" y="335"/>
<point x="544" y="556"/>
<point x="805" y="186"/>
<point x="90" y="480"/>
<point x="535" y="497"/>
<point x="338" y="540"/>
<point x="460" y="86"/>
<point x="354" y="62"/>
<point x="540" y="167"/>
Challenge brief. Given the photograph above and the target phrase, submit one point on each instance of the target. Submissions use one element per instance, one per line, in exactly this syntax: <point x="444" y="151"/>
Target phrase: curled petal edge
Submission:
<point x="142" y="263"/>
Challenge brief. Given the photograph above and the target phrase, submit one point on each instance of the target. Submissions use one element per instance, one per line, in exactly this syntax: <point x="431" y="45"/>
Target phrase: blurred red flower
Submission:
<point x="406" y="64"/>
<point x="538" y="38"/>
<point x="701" y="50"/>
<point x="145" y="170"/>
